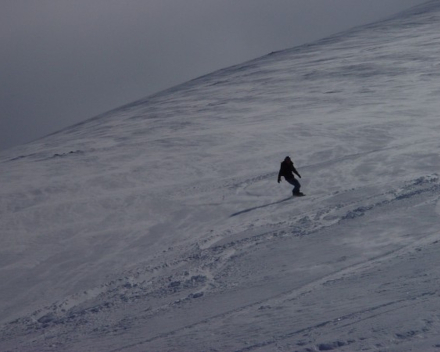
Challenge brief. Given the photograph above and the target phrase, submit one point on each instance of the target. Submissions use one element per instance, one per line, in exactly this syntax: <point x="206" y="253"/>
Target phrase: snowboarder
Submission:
<point x="287" y="170"/>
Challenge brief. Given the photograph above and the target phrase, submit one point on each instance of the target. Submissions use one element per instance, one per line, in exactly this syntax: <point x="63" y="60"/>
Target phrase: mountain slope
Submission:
<point x="160" y="226"/>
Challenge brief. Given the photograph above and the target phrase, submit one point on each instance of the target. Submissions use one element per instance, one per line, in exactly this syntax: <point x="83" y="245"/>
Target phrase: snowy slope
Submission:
<point x="160" y="226"/>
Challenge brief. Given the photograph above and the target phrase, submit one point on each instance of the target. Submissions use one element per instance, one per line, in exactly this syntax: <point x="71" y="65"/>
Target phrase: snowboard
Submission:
<point x="298" y="194"/>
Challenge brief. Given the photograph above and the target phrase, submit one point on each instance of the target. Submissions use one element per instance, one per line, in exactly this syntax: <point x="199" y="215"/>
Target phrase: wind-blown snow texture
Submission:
<point x="160" y="226"/>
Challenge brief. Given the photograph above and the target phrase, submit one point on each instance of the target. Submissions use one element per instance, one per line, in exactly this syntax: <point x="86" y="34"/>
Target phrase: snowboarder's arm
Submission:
<point x="279" y="176"/>
<point x="295" y="171"/>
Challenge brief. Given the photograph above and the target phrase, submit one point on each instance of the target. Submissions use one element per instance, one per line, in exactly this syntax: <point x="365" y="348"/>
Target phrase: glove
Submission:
<point x="279" y="180"/>
<point x="299" y="175"/>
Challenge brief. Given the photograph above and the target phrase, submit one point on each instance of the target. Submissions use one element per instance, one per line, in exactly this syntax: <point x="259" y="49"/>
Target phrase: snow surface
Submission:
<point x="160" y="226"/>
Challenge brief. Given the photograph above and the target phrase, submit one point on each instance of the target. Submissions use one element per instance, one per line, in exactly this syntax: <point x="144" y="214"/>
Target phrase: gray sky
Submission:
<point x="63" y="62"/>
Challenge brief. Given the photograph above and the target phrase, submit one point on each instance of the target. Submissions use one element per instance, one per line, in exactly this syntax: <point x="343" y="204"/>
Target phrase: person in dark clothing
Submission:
<point x="287" y="170"/>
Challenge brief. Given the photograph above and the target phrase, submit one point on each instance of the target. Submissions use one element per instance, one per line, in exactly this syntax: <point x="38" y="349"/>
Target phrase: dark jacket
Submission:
<point x="287" y="170"/>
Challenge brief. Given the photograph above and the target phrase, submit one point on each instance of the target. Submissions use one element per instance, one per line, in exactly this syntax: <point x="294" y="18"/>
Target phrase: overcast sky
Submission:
<point x="64" y="61"/>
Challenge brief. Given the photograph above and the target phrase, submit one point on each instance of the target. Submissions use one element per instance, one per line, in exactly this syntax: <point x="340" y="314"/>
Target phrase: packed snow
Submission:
<point x="160" y="226"/>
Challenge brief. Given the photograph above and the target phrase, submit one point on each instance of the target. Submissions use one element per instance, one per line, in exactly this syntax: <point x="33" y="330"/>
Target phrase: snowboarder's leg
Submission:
<point x="296" y="185"/>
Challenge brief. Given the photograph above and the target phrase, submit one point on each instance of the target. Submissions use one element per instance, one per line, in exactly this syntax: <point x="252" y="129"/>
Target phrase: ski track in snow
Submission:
<point x="306" y="289"/>
<point x="160" y="226"/>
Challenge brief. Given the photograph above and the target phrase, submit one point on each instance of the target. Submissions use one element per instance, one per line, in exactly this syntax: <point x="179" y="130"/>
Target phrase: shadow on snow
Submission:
<point x="259" y="207"/>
